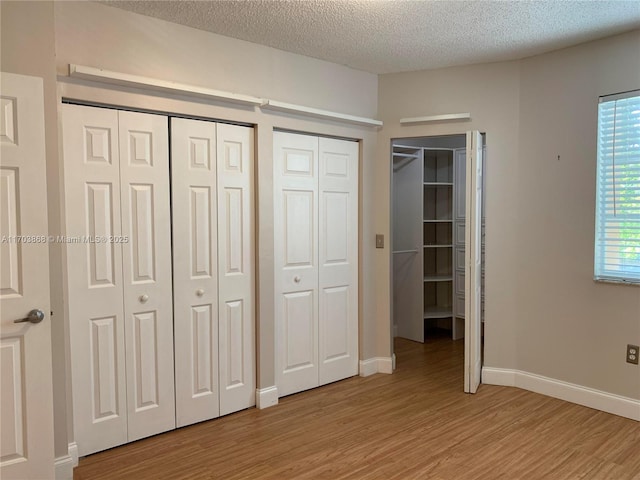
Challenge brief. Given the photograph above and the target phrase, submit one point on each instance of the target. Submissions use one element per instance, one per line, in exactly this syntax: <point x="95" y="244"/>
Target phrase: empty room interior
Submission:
<point x="359" y="239"/>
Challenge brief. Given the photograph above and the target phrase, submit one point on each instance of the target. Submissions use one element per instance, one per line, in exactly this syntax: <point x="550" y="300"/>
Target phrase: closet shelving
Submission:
<point x="438" y="233"/>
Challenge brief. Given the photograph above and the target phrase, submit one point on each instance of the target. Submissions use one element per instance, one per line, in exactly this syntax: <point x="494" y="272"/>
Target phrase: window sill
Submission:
<point x="629" y="283"/>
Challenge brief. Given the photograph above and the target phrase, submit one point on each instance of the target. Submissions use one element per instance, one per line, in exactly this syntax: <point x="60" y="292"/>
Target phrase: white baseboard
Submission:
<point x="570" y="392"/>
<point x="266" y="397"/>
<point x="63" y="466"/>
<point x="376" y="365"/>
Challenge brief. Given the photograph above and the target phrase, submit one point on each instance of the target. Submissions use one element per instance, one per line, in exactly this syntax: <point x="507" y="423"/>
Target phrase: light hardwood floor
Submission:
<point x="414" y="424"/>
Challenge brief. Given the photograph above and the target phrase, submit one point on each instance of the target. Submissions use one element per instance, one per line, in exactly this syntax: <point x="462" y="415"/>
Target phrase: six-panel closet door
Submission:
<point x="119" y="275"/>
<point x="316" y="260"/>
<point x="213" y="235"/>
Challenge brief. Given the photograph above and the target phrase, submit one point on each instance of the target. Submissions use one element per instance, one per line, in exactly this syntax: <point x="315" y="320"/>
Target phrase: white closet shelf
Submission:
<point x="128" y="80"/>
<point x="438" y="278"/>
<point x="437" y="312"/>
<point x="435" y="118"/>
<point x="437" y="221"/>
<point x="316" y="112"/>
<point x="438" y="246"/>
<point x="438" y="184"/>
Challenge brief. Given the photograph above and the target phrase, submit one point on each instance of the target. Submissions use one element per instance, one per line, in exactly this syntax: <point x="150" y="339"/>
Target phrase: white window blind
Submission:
<point x="617" y="245"/>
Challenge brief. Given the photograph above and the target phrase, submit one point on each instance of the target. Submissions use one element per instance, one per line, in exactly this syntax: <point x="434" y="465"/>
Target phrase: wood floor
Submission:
<point x="414" y="424"/>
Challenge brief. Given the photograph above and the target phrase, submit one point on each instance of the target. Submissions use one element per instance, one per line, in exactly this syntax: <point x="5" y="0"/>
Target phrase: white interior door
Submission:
<point x="26" y="414"/>
<point x="148" y="313"/>
<point x="296" y="261"/>
<point x="473" y="265"/>
<point x="236" y="267"/>
<point x="408" y="254"/>
<point x="338" y="259"/>
<point x="94" y="269"/>
<point x="195" y="267"/>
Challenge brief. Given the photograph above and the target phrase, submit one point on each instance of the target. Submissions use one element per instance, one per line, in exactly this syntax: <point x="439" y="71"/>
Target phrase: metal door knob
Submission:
<point x="199" y="292"/>
<point x="297" y="279"/>
<point x="34" y="316"/>
<point x="143" y="298"/>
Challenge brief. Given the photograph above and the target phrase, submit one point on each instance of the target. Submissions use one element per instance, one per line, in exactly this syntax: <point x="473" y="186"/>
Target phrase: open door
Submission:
<point x="473" y="266"/>
<point x="26" y="413"/>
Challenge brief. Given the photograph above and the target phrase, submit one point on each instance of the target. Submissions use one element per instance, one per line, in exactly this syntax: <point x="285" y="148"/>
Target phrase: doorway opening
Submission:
<point x="437" y="225"/>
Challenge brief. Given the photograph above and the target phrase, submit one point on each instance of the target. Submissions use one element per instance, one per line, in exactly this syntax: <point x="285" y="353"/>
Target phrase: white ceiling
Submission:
<point x="384" y="36"/>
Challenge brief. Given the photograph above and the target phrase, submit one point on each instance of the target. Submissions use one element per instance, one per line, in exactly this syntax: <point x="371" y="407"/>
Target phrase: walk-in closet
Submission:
<point x="429" y="235"/>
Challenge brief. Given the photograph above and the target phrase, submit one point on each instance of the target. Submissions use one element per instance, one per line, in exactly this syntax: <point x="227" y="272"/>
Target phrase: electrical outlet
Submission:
<point x="633" y="351"/>
<point x="379" y="240"/>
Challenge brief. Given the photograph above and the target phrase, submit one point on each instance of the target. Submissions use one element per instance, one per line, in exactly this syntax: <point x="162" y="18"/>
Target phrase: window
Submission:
<point x="617" y="246"/>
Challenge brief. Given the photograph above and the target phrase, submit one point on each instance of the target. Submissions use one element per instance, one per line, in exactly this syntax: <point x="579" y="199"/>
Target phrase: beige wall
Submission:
<point x="569" y="327"/>
<point x="544" y="312"/>
<point x="27" y="45"/>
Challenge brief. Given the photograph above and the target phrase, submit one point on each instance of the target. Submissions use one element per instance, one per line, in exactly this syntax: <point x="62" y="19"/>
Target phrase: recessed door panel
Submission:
<point x="299" y="330"/>
<point x="143" y="244"/>
<point x="99" y="201"/>
<point x="10" y="251"/>
<point x="200" y="247"/>
<point x="335" y="227"/>
<point x="299" y="232"/>
<point x="203" y="380"/>
<point x="105" y="381"/>
<point x="145" y="360"/>
<point x="14" y="434"/>
<point x="336" y="326"/>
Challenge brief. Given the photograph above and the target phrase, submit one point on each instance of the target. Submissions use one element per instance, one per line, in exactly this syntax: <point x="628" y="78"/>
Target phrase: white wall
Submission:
<point x="544" y="313"/>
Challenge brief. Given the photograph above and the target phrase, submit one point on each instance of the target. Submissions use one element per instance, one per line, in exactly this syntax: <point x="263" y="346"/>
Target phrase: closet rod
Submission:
<point x="398" y="252"/>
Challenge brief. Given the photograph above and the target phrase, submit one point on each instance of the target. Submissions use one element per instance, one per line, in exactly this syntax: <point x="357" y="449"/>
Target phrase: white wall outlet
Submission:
<point x="633" y="351"/>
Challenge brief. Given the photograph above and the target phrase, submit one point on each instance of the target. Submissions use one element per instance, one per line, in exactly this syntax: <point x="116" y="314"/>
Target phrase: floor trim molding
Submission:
<point x="63" y="466"/>
<point x="570" y="392"/>
<point x="376" y="365"/>
<point x="266" y="397"/>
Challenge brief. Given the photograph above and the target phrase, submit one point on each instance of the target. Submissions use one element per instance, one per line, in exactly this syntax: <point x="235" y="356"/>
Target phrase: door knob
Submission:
<point x="199" y="292"/>
<point x="297" y="279"/>
<point x="34" y="316"/>
<point x="143" y="298"/>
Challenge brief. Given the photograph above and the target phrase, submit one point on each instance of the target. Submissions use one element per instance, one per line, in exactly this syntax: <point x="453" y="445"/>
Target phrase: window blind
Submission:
<point x="617" y="242"/>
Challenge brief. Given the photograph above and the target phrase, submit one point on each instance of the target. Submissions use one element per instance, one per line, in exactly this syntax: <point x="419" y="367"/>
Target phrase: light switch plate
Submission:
<point x="379" y="240"/>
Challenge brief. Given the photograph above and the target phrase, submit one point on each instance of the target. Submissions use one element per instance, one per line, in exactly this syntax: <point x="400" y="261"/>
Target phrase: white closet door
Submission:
<point x="338" y="265"/>
<point x="144" y="199"/>
<point x="296" y="261"/>
<point x="473" y="263"/>
<point x="195" y="285"/>
<point x="26" y="414"/>
<point x="236" y="268"/>
<point x="94" y="268"/>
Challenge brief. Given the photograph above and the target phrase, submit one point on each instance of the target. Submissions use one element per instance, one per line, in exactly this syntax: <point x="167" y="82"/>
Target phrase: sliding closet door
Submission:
<point x="236" y="264"/>
<point x="195" y="286"/>
<point x="148" y="314"/>
<point x="296" y="261"/>
<point x="94" y="269"/>
<point x="338" y="265"/>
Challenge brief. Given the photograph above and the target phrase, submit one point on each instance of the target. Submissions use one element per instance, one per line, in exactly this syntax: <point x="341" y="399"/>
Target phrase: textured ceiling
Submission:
<point x="383" y="36"/>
